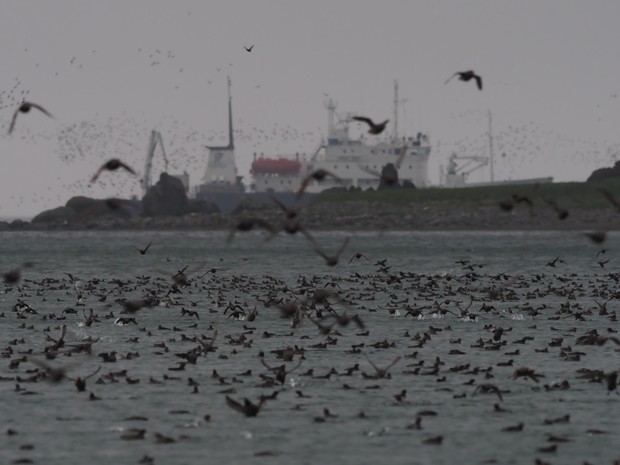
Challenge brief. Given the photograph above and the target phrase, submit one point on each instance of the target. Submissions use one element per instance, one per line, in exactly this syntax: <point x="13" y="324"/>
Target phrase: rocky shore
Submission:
<point x="354" y="216"/>
<point x="559" y="206"/>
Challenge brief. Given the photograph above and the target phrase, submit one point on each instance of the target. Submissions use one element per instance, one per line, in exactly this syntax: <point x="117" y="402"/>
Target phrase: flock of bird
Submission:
<point x="322" y="352"/>
<point x="332" y="352"/>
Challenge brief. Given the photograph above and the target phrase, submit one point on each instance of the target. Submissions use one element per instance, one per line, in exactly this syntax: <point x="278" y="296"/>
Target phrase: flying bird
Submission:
<point x="383" y="372"/>
<point x="144" y="250"/>
<point x="357" y="256"/>
<point x="318" y="175"/>
<point x="247" y="224"/>
<point x="598" y="237"/>
<point x="375" y="128"/>
<point x="333" y="259"/>
<point x="248" y="408"/>
<point x="610" y="197"/>
<point x="25" y="107"/>
<point x="112" y="165"/>
<point x="467" y="76"/>
<point x="249" y="49"/>
<point x="562" y="212"/>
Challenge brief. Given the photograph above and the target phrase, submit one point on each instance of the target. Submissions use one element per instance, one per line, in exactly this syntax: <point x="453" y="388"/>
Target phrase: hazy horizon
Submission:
<point x="110" y="72"/>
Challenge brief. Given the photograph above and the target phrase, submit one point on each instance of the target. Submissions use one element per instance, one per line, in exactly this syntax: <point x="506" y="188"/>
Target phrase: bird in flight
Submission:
<point x="111" y="165"/>
<point x="610" y="197"/>
<point x="144" y="250"/>
<point x="246" y="224"/>
<point x="25" y="107"/>
<point x="333" y="259"/>
<point x="318" y="175"/>
<point x="375" y="128"/>
<point x="467" y="76"/>
<point x="249" y="49"/>
<point x="248" y="408"/>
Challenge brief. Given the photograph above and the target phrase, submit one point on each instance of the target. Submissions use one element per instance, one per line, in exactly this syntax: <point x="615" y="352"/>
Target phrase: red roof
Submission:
<point x="275" y="166"/>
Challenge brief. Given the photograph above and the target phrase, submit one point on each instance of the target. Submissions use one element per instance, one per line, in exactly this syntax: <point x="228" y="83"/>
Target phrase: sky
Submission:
<point x="110" y="72"/>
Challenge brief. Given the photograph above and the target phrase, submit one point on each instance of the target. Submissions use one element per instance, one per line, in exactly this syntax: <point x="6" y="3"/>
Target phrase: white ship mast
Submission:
<point x="395" y="126"/>
<point x="491" y="146"/>
<point x="221" y="166"/>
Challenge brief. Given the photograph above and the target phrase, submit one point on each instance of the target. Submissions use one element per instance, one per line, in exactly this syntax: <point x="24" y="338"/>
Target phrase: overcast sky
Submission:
<point x="110" y="71"/>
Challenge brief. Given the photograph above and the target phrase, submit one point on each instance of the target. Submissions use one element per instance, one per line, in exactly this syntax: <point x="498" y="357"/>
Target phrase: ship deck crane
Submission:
<point x="472" y="164"/>
<point x="156" y="140"/>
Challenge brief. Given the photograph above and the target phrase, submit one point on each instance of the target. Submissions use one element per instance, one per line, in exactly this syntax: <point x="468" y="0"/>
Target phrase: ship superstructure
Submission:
<point x="356" y="162"/>
<point x="221" y="172"/>
<point x="352" y="160"/>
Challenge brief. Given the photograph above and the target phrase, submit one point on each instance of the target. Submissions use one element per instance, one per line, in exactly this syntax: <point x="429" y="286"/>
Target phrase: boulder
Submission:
<point x="252" y="204"/>
<point x="202" y="206"/>
<point x="605" y="173"/>
<point x="166" y="198"/>
<point x="20" y="225"/>
<point x="86" y="208"/>
<point x="55" y="215"/>
<point x="80" y="204"/>
<point x="389" y="177"/>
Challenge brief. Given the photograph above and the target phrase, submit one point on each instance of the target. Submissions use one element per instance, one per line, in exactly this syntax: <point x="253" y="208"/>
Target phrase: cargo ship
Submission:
<point x="355" y="162"/>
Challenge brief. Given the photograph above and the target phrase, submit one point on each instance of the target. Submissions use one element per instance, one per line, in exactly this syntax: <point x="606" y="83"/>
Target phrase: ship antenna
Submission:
<point x="395" y="133"/>
<point x="231" y="143"/>
<point x="491" y="145"/>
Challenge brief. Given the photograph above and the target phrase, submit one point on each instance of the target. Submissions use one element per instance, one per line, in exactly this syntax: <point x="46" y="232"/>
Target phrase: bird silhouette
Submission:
<point x="467" y="76"/>
<point x="375" y="128"/>
<point x="610" y="198"/>
<point x="248" y="408"/>
<point x="383" y="372"/>
<point x="317" y="175"/>
<point x="25" y="107"/>
<point x="249" y="49"/>
<point x="331" y="260"/>
<point x="143" y="251"/>
<point x="111" y="165"/>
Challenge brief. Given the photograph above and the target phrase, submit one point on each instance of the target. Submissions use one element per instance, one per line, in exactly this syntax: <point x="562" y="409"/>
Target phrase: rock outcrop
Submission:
<point x="166" y="198"/>
<point x="55" y="215"/>
<point x="84" y="209"/>
<point x="605" y="173"/>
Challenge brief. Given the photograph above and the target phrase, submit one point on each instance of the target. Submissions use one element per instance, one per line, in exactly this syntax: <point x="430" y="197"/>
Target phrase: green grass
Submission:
<point x="567" y="194"/>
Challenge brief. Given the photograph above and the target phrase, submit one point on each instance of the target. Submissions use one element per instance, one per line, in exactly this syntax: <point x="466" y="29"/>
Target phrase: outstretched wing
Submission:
<point x="450" y="78"/>
<point x="343" y="246"/>
<point x="92" y="374"/>
<point x="478" y="81"/>
<point x="41" y="109"/>
<point x="363" y="119"/>
<point x="403" y="151"/>
<point x="377" y="369"/>
<point x="369" y="171"/>
<point x="127" y="167"/>
<point x="13" y="121"/>
<point x="387" y="368"/>
<point x="99" y="171"/>
<point x="233" y="404"/>
<point x="303" y="186"/>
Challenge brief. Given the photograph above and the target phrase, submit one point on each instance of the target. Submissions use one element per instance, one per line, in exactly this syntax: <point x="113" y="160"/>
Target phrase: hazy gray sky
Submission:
<point x="110" y="71"/>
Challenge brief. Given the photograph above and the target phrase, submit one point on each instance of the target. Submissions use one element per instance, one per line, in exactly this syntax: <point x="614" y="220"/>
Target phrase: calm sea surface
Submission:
<point x="56" y="424"/>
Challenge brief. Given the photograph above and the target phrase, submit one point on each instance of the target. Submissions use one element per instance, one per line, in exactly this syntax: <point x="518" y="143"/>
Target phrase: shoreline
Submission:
<point x="357" y="216"/>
